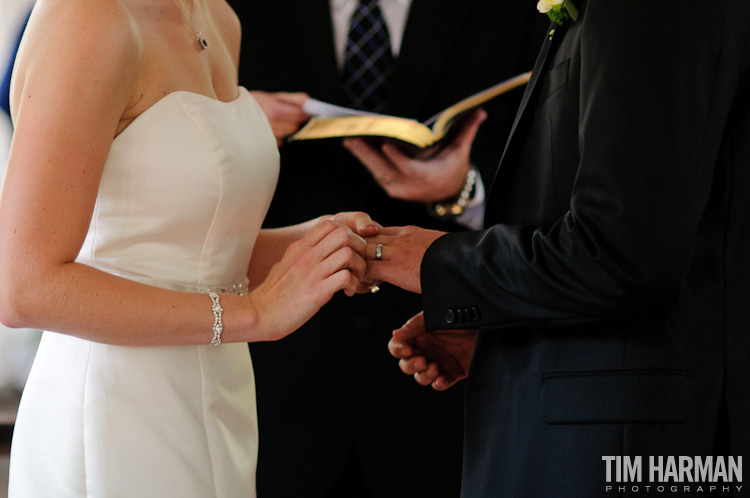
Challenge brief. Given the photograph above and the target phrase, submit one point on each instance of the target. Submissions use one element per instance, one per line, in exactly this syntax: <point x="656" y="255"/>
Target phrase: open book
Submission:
<point x="331" y="121"/>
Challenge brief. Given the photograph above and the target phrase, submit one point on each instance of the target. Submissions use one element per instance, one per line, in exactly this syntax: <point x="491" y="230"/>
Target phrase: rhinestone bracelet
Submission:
<point x="217" y="310"/>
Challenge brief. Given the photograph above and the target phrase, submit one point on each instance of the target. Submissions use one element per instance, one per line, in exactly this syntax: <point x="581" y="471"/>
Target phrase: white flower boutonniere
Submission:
<point x="558" y="11"/>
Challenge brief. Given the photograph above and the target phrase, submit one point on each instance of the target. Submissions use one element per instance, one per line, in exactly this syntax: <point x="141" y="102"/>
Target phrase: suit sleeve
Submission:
<point x="657" y="86"/>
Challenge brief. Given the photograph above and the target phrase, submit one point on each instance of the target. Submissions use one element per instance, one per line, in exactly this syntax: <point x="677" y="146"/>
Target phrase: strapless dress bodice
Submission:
<point x="184" y="192"/>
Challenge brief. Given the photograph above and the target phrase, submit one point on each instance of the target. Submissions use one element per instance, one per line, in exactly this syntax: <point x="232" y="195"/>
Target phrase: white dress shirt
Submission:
<point x="394" y="11"/>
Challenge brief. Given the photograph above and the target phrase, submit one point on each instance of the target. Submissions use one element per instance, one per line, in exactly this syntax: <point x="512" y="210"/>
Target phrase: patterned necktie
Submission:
<point x="368" y="60"/>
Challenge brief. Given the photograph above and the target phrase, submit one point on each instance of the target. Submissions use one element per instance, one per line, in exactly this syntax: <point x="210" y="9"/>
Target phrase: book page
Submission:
<point x="319" y="109"/>
<point x="407" y="130"/>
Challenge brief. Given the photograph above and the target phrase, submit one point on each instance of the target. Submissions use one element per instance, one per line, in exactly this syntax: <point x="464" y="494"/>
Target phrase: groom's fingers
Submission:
<point x="413" y="328"/>
<point x="413" y="365"/>
<point x="450" y="370"/>
<point x="386" y="244"/>
<point x="428" y="375"/>
<point x="443" y="382"/>
<point x="399" y="349"/>
<point x="401" y="344"/>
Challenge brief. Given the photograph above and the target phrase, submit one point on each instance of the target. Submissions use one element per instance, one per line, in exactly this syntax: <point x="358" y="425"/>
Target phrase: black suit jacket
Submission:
<point x="611" y="288"/>
<point x="331" y="390"/>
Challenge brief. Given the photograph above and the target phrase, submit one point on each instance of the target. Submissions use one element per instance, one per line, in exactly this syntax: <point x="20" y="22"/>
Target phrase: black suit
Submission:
<point x="330" y="397"/>
<point x="614" y="305"/>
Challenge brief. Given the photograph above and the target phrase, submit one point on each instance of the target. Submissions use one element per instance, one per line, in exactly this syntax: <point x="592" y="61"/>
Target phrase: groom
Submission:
<point x="611" y="290"/>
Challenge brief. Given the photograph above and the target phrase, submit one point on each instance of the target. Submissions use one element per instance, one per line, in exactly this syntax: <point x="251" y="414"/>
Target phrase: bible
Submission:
<point x="331" y="121"/>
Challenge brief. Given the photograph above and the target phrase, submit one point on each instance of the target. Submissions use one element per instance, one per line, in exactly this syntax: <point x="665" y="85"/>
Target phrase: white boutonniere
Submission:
<point x="558" y="11"/>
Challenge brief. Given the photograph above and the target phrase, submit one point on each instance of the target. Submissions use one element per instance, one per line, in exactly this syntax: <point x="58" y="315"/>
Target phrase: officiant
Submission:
<point x="330" y="399"/>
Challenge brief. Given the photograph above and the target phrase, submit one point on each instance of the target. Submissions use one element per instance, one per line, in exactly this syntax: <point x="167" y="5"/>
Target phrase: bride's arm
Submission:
<point x="74" y="82"/>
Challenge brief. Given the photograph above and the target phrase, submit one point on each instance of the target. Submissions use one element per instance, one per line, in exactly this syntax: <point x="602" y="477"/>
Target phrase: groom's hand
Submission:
<point x="395" y="255"/>
<point x="362" y="225"/>
<point x="438" y="359"/>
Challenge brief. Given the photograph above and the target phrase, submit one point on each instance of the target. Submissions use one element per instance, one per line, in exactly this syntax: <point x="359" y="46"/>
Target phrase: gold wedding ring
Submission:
<point x="378" y="251"/>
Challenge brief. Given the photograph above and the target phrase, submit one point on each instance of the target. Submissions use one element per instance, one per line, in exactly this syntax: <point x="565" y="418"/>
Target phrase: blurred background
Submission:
<point x="17" y="347"/>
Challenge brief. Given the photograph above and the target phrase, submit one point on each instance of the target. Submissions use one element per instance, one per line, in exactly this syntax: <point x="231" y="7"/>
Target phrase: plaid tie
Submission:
<point x="368" y="60"/>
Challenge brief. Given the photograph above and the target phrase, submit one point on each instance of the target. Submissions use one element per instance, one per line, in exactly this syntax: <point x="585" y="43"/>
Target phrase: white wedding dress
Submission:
<point x="182" y="197"/>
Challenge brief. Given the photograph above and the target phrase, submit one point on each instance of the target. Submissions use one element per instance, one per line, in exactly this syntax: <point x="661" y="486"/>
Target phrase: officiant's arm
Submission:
<point x="283" y="110"/>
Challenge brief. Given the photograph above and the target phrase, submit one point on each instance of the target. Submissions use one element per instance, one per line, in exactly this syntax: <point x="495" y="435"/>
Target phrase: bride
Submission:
<point x="137" y="182"/>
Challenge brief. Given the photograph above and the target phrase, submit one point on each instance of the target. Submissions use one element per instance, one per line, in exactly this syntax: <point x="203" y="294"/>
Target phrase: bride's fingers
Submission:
<point x="321" y="231"/>
<point x="344" y="258"/>
<point x="341" y="280"/>
<point x="357" y="243"/>
<point x="339" y="238"/>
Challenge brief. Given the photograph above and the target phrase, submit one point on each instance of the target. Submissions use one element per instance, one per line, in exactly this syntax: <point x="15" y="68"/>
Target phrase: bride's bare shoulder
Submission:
<point x="83" y="27"/>
<point x="81" y="41"/>
<point x="115" y="16"/>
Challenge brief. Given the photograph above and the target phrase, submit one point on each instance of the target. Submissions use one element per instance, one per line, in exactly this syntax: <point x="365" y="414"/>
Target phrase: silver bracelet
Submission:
<point x="217" y="310"/>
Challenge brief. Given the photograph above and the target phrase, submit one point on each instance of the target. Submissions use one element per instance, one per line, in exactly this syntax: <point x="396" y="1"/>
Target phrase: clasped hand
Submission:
<point x="435" y="358"/>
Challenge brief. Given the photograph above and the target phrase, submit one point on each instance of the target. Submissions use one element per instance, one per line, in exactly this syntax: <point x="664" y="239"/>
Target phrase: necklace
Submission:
<point x="202" y="42"/>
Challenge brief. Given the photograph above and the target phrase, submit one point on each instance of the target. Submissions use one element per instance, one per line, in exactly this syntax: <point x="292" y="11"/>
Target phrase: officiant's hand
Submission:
<point x="434" y="179"/>
<point x="438" y="359"/>
<point x="395" y="255"/>
<point x="283" y="110"/>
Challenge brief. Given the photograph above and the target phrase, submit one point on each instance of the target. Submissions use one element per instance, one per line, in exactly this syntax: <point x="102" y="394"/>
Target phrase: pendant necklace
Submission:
<point x="202" y="43"/>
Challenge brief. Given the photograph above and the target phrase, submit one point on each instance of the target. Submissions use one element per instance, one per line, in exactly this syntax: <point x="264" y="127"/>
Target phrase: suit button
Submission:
<point x="467" y="316"/>
<point x="459" y="316"/>
<point x="450" y="317"/>
<point x="474" y="315"/>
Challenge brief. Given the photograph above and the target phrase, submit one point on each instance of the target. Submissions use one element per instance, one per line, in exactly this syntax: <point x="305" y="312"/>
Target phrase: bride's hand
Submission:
<point x="329" y="258"/>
